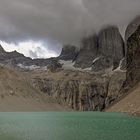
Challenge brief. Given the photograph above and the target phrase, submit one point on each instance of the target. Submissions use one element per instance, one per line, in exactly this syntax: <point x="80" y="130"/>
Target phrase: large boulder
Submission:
<point x="88" y="52"/>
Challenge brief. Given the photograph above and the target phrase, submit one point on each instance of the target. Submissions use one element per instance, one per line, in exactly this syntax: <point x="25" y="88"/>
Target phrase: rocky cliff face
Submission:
<point x="133" y="57"/>
<point x="103" y="51"/>
<point x="68" y="52"/>
<point x="88" y="52"/>
<point x="132" y="27"/>
<point x="111" y="49"/>
<point x="82" y="91"/>
<point x="1" y="49"/>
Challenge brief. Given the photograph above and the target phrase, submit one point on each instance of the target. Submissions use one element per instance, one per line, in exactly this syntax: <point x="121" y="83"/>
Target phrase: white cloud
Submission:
<point x="30" y="49"/>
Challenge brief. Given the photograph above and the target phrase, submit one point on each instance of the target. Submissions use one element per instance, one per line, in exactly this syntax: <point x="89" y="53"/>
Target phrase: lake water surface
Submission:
<point x="69" y="126"/>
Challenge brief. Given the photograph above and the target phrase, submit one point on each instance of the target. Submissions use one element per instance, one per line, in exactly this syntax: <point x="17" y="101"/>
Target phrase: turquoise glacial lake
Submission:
<point x="69" y="126"/>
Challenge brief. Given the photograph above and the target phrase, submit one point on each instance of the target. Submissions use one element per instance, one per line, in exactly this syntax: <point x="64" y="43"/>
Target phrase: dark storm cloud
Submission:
<point x="61" y="21"/>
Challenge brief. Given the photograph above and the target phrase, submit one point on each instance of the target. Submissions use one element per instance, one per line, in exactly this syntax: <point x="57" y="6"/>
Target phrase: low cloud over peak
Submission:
<point x="55" y="22"/>
<point x="29" y="49"/>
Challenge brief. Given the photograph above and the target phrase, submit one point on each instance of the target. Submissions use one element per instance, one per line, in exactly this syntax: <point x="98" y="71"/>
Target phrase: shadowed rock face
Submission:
<point x="80" y="91"/>
<point x="68" y="52"/>
<point x="133" y="57"/>
<point x="1" y="49"/>
<point x="88" y="52"/>
<point x="132" y="27"/>
<point x="115" y="86"/>
<point x="111" y="49"/>
<point x="111" y="43"/>
<point x="102" y="63"/>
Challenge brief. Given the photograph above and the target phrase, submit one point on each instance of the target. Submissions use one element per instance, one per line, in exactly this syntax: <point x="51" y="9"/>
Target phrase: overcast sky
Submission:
<point x="55" y="22"/>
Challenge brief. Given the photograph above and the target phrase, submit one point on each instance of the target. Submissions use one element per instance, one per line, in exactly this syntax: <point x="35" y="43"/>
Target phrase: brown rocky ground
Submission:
<point x="130" y="103"/>
<point x="17" y="94"/>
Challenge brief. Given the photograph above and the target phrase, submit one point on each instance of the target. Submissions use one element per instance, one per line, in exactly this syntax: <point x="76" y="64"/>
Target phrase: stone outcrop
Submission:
<point x="1" y="49"/>
<point x="68" y="52"/>
<point x="102" y="63"/>
<point x="103" y="51"/>
<point x="110" y="49"/>
<point x="88" y="52"/>
<point x="132" y="27"/>
<point x="115" y="86"/>
<point x="80" y="90"/>
<point x="133" y="57"/>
